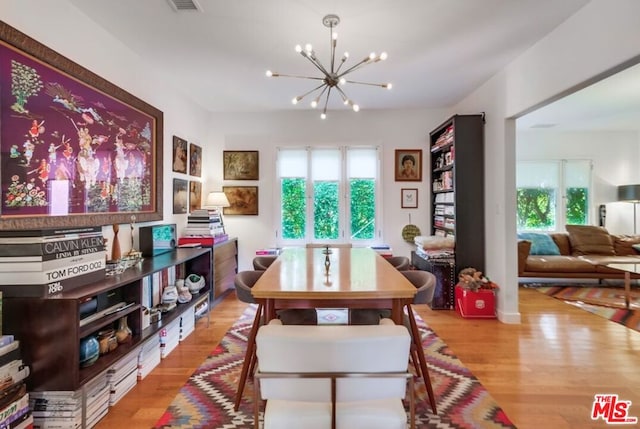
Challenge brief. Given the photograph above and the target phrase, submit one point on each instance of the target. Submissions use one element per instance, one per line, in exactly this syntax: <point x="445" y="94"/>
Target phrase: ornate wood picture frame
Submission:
<point x="75" y="149"/>
<point x="195" y="160"/>
<point x="408" y="165"/>
<point x="180" y="155"/>
<point x="180" y="196"/>
<point x="195" y="195"/>
<point x="241" y="164"/>
<point x="243" y="200"/>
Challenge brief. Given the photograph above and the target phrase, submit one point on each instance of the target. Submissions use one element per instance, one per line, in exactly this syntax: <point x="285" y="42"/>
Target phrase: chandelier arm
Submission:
<point x="309" y="92"/>
<point x="340" y="66"/>
<point x="326" y="101"/>
<point x="332" y="43"/>
<point x="313" y="60"/>
<point x="382" y="85"/>
<point x="296" y="76"/>
<point x="344" y="96"/>
<point x="355" y="67"/>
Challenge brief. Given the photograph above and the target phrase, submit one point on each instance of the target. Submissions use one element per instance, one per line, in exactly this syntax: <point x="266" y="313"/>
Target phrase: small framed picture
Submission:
<point x="195" y="195"/>
<point x="243" y="200"/>
<point x="241" y="164"/>
<point x="408" y="165"/>
<point x="409" y="198"/>
<point x="180" y="193"/>
<point x="179" y="155"/>
<point x="195" y="160"/>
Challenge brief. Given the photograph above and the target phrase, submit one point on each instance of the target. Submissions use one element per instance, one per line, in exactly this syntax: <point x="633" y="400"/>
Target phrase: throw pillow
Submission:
<point x="626" y="244"/>
<point x="636" y="247"/>
<point x="590" y="240"/>
<point x="541" y="244"/>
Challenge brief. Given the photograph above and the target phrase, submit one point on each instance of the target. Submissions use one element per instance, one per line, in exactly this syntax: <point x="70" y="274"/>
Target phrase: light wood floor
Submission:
<point x="543" y="372"/>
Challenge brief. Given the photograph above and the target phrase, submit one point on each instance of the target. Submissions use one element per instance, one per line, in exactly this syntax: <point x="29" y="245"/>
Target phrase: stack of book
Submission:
<point x="269" y="251"/>
<point x="204" y="222"/>
<point x="14" y="399"/>
<point x="149" y="357"/>
<point x="97" y="398"/>
<point x="383" y="249"/>
<point x="41" y="263"/>
<point x="122" y="377"/>
<point x="169" y="338"/>
<point x="56" y="409"/>
<point x="187" y="323"/>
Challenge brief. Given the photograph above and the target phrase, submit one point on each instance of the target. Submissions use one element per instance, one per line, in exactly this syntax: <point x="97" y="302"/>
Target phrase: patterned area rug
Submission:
<point x="612" y="299"/>
<point x="206" y="400"/>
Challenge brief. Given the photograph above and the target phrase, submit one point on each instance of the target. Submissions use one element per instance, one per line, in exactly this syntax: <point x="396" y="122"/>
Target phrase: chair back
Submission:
<point x="425" y="282"/>
<point x="332" y="349"/>
<point x="261" y="263"/>
<point x="401" y="263"/>
<point x="243" y="282"/>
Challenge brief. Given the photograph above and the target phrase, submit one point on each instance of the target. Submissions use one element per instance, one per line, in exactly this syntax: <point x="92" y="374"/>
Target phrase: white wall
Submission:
<point x="597" y="38"/>
<point x="61" y="27"/>
<point x="396" y="129"/>
<point x="615" y="156"/>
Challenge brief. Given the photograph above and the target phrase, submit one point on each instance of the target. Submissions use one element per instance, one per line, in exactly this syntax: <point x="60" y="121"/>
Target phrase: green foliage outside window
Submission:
<point x="326" y="217"/>
<point x="537" y="208"/>
<point x="363" y="209"/>
<point x="577" y="206"/>
<point x="294" y="208"/>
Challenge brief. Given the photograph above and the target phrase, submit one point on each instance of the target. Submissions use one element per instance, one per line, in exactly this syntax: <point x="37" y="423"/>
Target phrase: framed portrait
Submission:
<point x="243" y="200"/>
<point x="75" y="149"/>
<point x="195" y="195"/>
<point x="408" y="165"/>
<point x="409" y="198"/>
<point x="195" y="160"/>
<point x="241" y="165"/>
<point x="179" y="164"/>
<point x="180" y="196"/>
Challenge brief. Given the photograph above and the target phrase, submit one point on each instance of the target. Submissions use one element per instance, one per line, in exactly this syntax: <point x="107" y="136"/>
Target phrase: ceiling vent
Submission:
<point x="182" y="5"/>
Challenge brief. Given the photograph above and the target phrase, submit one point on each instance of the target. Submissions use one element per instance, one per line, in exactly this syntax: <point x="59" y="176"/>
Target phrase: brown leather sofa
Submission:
<point x="572" y="263"/>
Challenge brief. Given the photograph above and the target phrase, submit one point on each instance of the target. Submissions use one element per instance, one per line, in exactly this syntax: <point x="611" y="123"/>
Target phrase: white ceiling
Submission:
<point x="439" y="50"/>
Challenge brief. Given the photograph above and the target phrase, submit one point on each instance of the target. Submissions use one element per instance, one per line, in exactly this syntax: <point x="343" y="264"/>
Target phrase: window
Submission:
<point x="551" y="194"/>
<point x="328" y="194"/>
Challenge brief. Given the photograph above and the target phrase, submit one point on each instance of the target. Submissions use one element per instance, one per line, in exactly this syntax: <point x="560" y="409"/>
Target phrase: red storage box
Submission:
<point x="480" y="304"/>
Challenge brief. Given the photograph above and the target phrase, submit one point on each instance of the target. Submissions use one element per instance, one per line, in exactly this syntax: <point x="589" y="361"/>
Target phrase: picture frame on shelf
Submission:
<point x="180" y="159"/>
<point x="82" y="164"/>
<point x="243" y="200"/>
<point x="409" y="198"/>
<point x="241" y="164"/>
<point x="180" y="193"/>
<point x="195" y="160"/>
<point x="408" y="165"/>
<point x="195" y="195"/>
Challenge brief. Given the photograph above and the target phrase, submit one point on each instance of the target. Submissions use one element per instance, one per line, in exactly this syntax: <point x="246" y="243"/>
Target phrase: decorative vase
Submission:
<point x="116" y="253"/>
<point x="89" y="351"/>
<point x="123" y="333"/>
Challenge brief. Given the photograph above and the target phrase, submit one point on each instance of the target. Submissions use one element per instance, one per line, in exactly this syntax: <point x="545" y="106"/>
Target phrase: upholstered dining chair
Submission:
<point x="261" y="263"/>
<point x="401" y="263"/>
<point x="361" y="388"/>
<point x="425" y="282"/>
<point x="243" y="283"/>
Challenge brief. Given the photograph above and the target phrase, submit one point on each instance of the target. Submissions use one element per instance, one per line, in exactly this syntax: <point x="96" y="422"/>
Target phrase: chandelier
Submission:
<point x="333" y="77"/>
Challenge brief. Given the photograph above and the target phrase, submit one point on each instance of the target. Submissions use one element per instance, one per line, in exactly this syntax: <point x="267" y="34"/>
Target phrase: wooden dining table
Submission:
<point x="334" y="278"/>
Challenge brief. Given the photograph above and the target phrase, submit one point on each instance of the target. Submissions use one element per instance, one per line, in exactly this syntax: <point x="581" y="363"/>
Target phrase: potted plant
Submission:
<point x="475" y="295"/>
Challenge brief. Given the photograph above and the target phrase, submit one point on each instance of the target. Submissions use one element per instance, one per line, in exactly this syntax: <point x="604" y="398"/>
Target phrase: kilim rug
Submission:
<point x="611" y="297"/>
<point x="206" y="400"/>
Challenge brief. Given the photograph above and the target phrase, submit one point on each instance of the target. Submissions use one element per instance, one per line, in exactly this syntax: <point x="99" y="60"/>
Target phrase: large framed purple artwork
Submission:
<point x="75" y="150"/>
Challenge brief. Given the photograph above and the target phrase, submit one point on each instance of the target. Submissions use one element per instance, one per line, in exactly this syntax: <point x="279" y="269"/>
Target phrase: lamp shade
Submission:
<point x="217" y="199"/>
<point x="629" y="193"/>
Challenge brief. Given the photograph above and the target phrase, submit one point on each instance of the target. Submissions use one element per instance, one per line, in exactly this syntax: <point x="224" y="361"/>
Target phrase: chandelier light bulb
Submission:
<point x="372" y="56"/>
<point x="308" y="48"/>
<point x="314" y="103"/>
<point x="342" y="81"/>
<point x="295" y="100"/>
<point x="356" y="108"/>
<point x="323" y="116"/>
<point x="298" y="48"/>
<point x="388" y="86"/>
<point x="383" y="56"/>
<point x="269" y="73"/>
<point x="334" y="35"/>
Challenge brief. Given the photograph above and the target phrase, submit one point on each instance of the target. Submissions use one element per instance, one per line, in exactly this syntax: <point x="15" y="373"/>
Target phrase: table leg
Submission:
<point x="627" y="289"/>
<point x="417" y="343"/>
<point x="249" y="356"/>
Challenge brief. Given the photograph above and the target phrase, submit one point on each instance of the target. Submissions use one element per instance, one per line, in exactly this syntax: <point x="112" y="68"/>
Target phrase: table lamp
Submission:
<point x="217" y="200"/>
<point x="630" y="194"/>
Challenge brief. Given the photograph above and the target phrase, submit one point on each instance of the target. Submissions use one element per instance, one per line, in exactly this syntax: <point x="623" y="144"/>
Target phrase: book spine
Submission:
<point x="9" y="347"/>
<point x="52" y="232"/>
<point x="14" y="411"/>
<point x="46" y="290"/>
<point x="51" y="249"/>
<point x="51" y="264"/>
<point x="64" y="270"/>
<point x="10" y="356"/>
